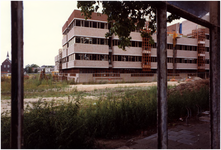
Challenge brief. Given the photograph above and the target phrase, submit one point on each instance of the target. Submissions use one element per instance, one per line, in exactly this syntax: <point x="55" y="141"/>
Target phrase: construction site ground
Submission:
<point x="6" y="104"/>
<point x="181" y="135"/>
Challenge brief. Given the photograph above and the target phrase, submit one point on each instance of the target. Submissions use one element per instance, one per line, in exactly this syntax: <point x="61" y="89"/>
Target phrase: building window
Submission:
<point x="102" y="41"/>
<point x="86" y="23"/>
<point x="94" y="41"/>
<point x="207" y="49"/>
<point x="78" y="39"/>
<point x="102" y="25"/>
<point x="8" y="66"/>
<point x="78" y="23"/>
<point x="94" y="24"/>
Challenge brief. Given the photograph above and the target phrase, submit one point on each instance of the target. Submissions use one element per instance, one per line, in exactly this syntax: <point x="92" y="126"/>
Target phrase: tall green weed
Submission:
<point x="73" y="125"/>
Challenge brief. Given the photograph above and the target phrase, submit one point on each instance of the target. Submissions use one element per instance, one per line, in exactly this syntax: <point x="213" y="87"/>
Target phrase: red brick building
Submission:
<point x="6" y="65"/>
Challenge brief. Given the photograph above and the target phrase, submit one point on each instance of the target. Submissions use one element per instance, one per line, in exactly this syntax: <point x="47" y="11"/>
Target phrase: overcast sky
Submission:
<point x="43" y="21"/>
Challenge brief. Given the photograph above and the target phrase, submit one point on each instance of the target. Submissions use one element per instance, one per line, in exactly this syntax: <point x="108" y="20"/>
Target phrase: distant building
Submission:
<point x="6" y="65"/>
<point x="48" y="69"/>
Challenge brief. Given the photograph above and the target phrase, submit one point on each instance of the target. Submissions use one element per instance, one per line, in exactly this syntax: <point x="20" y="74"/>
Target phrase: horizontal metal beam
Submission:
<point x="184" y="14"/>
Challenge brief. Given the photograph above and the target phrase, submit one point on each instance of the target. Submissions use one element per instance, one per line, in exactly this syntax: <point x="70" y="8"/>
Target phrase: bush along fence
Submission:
<point x="72" y="125"/>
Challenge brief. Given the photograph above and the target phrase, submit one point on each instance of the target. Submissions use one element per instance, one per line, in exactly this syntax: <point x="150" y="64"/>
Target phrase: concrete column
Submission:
<point x="215" y="74"/>
<point x="17" y="79"/>
<point x="162" y="76"/>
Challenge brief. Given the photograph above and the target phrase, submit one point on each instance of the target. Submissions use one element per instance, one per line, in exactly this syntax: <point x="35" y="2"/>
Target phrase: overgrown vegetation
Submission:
<point x="33" y="87"/>
<point x="75" y="124"/>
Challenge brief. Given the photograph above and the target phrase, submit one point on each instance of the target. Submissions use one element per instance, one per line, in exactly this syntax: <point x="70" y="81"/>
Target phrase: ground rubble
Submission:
<point x="190" y="86"/>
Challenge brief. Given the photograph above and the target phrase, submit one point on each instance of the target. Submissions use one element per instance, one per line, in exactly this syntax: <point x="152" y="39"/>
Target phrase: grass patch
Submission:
<point x="36" y="88"/>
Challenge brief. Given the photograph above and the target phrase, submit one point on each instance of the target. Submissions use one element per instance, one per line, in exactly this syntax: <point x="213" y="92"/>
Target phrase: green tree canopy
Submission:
<point x="124" y="16"/>
<point x="34" y="65"/>
<point x="28" y="68"/>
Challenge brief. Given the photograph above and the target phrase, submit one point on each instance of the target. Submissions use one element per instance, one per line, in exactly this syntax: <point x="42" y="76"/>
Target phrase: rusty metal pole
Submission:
<point x="174" y="55"/>
<point x="162" y="76"/>
<point x="215" y="74"/>
<point x="17" y="78"/>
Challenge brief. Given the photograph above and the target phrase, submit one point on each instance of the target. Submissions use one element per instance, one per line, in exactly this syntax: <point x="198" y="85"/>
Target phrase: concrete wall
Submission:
<point x="128" y="78"/>
<point x="132" y="51"/>
<point x="135" y="36"/>
<point x="188" y="26"/>
<point x="186" y="41"/>
<point x="88" y="48"/>
<point x="126" y="64"/>
<point x="124" y="77"/>
<point x="85" y="64"/>
<point x="84" y="78"/>
<point x="86" y="31"/>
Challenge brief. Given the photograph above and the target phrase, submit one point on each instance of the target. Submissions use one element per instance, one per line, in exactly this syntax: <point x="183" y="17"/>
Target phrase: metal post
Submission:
<point x="174" y="53"/>
<point x="162" y="76"/>
<point x="215" y="75"/>
<point x="17" y="74"/>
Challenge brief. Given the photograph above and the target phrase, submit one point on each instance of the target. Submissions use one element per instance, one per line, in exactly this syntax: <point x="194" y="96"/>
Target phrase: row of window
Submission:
<point x="133" y="43"/>
<point x="91" y="24"/>
<point x="86" y="40"/>
<point x="5" y="66"/>
<point x="181" y="47"/>
<point x="103" y="41"/>
<point x="154" y="59"/>
<point x="86" y="23"/>
<point x="127" y="58"/>
<point x="169" y="46"/>
<point x="98" y="57"/>
<point x="95" y="57"/>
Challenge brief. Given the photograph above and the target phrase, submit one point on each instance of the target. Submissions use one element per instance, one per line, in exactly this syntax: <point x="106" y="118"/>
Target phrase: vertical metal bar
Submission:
<point x="215" y="75"/>
<point x="162" y="76"/>
<point x="17" y="74"/>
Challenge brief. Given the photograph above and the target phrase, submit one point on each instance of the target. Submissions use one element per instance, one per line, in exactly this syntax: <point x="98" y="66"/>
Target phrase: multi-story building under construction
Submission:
<point x="87" y="56"/>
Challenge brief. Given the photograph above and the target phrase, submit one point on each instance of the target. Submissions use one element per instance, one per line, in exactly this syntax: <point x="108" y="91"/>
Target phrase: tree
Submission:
<point x="28" y="68"/>
<point x="124" y="16"/>
<point x="34" y="66"/>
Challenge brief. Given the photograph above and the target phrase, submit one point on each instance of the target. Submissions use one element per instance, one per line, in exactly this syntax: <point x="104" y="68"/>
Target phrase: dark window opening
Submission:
<point x="102" y="25"/>
<point x="94" y="24"/>
<point x="133" y="43"/>
<point x="86" y="24"/>
<point x="78" y="39"/>
<point x="94" y="41"/>
<point x="77" y="57"/>
<point x="78" y="23"/>
<point x="102" y="41"/>
<point x="140" y="44"/>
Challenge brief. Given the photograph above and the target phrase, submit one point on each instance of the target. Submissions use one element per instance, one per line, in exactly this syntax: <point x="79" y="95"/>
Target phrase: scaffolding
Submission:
<point x="146" y="53"/>
<point x="199" y="34"/>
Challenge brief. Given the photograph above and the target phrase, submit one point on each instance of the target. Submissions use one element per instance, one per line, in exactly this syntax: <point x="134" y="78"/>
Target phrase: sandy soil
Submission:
<point x="91" y="87"/>
<point x="5" y="104"/>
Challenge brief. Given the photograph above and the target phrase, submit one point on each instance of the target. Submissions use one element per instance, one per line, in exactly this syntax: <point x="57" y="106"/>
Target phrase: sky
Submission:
<point x="43" y="21"/>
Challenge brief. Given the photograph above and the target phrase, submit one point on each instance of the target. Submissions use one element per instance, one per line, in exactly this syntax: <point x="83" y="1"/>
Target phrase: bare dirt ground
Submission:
<point x="92" y="87"/>
<point x="6" y="104"/>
